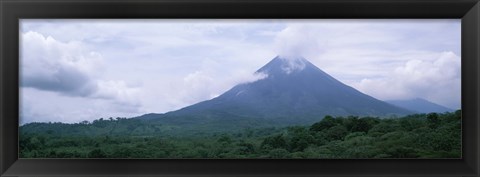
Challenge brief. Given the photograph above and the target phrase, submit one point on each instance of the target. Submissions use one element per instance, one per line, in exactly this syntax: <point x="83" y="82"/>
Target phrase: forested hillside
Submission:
<point x="415" y="136"/>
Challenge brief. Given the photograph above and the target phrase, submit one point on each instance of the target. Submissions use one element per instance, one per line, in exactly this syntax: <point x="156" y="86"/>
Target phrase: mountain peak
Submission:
<point x="285" y="65"/>
<point x="295" y="92"/>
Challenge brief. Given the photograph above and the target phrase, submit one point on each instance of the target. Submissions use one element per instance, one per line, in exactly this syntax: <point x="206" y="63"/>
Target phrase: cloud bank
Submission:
<point x="296" y="41"/>
<point x="436" y="79"/>
<point x="65" y="70"/>
<point x="54" y="66"/>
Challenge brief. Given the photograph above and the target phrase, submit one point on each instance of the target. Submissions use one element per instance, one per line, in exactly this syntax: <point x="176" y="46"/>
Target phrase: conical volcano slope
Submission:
<point x="294" y="91"/>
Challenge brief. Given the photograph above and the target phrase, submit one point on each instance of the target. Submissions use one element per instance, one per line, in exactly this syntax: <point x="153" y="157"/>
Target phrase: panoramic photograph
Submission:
<point x="240" y="89"/>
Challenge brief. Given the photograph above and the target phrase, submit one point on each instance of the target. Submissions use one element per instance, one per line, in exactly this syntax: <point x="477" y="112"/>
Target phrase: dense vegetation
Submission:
<point x="415" y="136"/>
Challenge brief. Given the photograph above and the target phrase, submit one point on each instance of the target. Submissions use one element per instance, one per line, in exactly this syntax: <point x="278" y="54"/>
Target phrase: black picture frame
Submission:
<point x="13" y="10"/>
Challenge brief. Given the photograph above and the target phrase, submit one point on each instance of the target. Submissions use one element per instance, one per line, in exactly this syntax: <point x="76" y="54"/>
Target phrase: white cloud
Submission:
<point x="51" y="65"/>
<point x="436" y="79"/>
<point x="69" y="71"/>
<point x="297" y="40"/>
<point x="118" y="90"/>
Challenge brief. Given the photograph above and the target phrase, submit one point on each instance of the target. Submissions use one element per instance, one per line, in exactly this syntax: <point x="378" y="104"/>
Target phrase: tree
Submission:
<point x="458" y="114"/>
<point x="411" y="123"/>
<point x="382" y="128"/>
<point x="97" y="153"/>
<point x="325" y="123"/>
<point x="224" y="139"/>
<point x="300" y="138"/>
<point x="350" y="122"/>
<point x="278" y="153"/>
<point x="366" y="151"/>
<point x="274" y="142"/>
<point x="361" y="125"/>
<point x="433" y="120"/>
<point x="337" y="132"/>
<point x="402" y="152"/>
<point x="245" y="148"/>
<point x="320" y="138"/>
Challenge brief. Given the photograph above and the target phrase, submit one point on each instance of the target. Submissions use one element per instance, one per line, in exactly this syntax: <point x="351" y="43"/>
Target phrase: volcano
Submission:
<point x="294" y="92"/>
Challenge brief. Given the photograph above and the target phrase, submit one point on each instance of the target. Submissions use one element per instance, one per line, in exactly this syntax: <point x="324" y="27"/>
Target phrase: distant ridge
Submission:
<point x="420" y="105"/>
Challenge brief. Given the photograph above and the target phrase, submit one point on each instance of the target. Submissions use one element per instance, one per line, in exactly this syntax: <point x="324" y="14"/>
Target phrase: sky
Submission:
<point x="74" y="70"/>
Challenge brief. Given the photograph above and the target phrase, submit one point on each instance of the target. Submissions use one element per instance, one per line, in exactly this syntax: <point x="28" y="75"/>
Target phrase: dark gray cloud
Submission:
<point x="51" y="65"/>
<point x="65" y="80"/>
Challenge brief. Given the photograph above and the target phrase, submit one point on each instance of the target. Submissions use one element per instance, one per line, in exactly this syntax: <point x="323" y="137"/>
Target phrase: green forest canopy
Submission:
<point x="414" y="136"/>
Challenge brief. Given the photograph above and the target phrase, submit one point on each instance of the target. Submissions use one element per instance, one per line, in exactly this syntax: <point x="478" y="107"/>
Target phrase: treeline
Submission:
<point x="99" y="127"/>
<point x="415" y="136"/>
